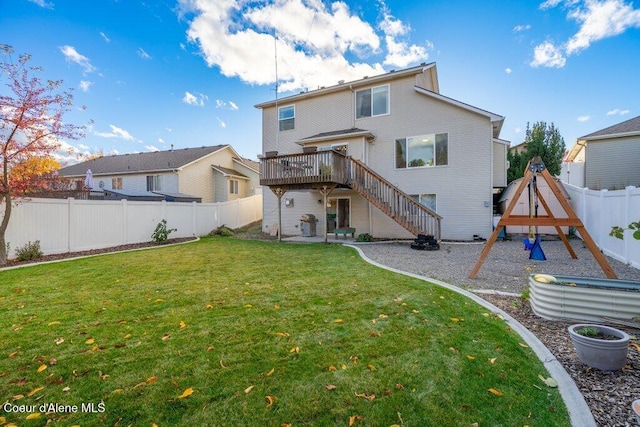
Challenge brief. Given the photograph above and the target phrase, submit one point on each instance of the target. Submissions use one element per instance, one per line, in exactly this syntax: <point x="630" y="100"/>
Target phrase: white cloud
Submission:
<point x="318" y="43"/>
<point x="399" y="52"/>
<point x="43" y="3"/>
<point x="117" y="133"/>
<point x="508" y="70"/>
<point x="518" y="130"/>
<point x="221" y="123"/>
<point x="617" y="111"/>
<point x="549" y="4"/>
<point x="584" y="118"/>
<point x="104" y="36"/>
<point x="85" y="85"/>
<point x="83" y="147"/>
<point x="197" y="99"/>
<point x="226" y="105"/>
<point x="71" y="55"/>
<point x="161" y="141"/>
<point x="598" y="19"/>
<point x="142" y="54"/>
<point x="151" y="148"/>
<point x="520" y="28"/>
<point x="547" y="55"/>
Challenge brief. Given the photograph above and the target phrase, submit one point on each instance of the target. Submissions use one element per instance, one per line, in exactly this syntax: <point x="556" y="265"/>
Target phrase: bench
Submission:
<point x="345" y="231"/>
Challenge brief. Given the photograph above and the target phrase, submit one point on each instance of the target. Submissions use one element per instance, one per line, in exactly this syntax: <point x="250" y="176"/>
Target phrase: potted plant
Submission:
<point x="600" y="346"/>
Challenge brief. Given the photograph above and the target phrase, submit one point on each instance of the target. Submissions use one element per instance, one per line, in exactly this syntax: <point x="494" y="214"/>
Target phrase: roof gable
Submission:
<point x="156" y="161"/>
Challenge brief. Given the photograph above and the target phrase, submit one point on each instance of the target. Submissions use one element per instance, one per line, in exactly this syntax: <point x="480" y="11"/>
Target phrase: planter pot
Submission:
<point x="636" y="409"/>
<point x="607" y="355"/>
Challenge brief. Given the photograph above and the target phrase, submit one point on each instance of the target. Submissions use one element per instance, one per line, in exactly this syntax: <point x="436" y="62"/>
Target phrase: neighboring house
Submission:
<point x="610" y="157"/>
<point x="201" y="174"/>
<point x="393" y="157"/>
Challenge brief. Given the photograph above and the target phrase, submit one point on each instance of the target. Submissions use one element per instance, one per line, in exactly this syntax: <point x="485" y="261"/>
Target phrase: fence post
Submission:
<point x="194" y="218"/>
<point x="602" y="219"/>
<point x="69" y="222"/>
<point x="627" y="221"/>
<point x="125" y="217"/>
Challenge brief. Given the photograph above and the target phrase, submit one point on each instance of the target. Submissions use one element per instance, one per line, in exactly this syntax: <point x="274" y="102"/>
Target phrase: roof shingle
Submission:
<point x="140" y="162"/>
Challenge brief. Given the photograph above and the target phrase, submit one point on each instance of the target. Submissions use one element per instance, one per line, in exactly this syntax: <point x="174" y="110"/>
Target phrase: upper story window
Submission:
<point x="372" y="102"/>
<point x="116" y="183"/>
<point x="287" y="117"/>
<point x="154" y="183"/>
<point x="422" y="151"/>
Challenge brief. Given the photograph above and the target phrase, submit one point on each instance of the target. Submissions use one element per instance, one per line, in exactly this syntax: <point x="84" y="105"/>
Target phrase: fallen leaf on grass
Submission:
<point x="222" y="365"/>
<point x="166" y="337"/>
<point x="55" y="322"/>
<point x="332" y="368"/>
<point x="330" y="387"/>
<point x="34" y="391"/>
<point x="33" y="416"/>
<point x="495" y="392"/>
<point x="493" y="360"/>
<point x="338" y="321"/>
<point x="12" y="355"/>
<point x="550" y="382"/>
<point x="637" y="346"/>
<point x="369" y="397"/>
<point x="270" y="400"/>
<point x="59" y="341"/>
<point x="353" y="419"/>
<point x="159" y="300"/>
<point x="371" y="367"/>
<point x="268" y="374"/>
<point x="18" y="396"/>
<point x="187" y="392"/>
<point x="282" y="334"/>
<point x="209" y="306"/>
<point x="210" y="348"/>
<point x="295" y="350"/>
<point x="182" y="325"/>
<point x="523" y="345"/>
<point x="152" y="379"/>
<point x="126" y="337"/>
<point x="90" y="341"/>
<point x="248" y="389"/>
<point x="42" y="368"/>
<point x="248" y="306"/>
<point x="470" y="357"/>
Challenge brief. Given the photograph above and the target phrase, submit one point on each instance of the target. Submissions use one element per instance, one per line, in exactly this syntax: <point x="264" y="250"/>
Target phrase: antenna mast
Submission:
<point x="275" y="49"/>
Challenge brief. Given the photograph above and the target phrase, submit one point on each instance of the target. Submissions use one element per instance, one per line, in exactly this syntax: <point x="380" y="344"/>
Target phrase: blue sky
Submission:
<point x="187" y="73"/>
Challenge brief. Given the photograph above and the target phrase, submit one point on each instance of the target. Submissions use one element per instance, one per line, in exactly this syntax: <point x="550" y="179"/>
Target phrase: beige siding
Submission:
<point x="613" y="164"/>
<point x="138" y="182"/>
<point x="500" y="164"/>
<point x="463" y="187"/>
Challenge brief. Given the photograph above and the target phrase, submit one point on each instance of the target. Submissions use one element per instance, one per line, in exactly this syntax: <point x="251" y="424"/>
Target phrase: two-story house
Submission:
<point x="387" y="155"/>
<point x="203" y="174"/>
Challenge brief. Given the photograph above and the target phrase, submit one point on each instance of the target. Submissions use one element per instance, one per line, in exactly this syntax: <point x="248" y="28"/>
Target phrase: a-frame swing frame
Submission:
<point x="536" y="166"/>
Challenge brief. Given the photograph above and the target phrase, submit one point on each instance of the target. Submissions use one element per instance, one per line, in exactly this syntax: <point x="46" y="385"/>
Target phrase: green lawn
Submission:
<point x="234" y="332"/>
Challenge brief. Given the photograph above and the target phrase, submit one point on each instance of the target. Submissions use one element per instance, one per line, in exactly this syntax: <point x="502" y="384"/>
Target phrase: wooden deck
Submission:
<point x="304" y="170"/>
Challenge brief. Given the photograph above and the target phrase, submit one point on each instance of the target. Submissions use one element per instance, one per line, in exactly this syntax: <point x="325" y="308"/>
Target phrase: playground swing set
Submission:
<point x="536" y="168"/>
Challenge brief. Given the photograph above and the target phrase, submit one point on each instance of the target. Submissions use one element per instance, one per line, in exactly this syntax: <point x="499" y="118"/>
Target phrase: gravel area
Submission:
<point x="506" y="269"/>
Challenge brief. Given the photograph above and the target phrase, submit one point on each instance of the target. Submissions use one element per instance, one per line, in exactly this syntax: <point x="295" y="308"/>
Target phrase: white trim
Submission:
<point x="494" y="117"/>
<point x="246" y="178"/>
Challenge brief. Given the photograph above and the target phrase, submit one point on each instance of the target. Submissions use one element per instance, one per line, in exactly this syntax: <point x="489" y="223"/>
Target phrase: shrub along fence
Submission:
<point x="70" y="225"/>
<point x="601" y="210"/>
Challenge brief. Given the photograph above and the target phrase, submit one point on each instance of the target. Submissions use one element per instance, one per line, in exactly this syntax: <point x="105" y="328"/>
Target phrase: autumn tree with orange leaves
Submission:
<point x="31" y="127"/>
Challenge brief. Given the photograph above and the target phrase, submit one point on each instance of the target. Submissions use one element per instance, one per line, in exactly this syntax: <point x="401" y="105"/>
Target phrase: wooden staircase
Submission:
<point x="399" y="206"/>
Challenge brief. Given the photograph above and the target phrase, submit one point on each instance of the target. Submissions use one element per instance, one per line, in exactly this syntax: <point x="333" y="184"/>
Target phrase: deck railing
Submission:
<point x="334" y="167"/>
<point x="402" y="208"/>
<point x="304" y="168"/>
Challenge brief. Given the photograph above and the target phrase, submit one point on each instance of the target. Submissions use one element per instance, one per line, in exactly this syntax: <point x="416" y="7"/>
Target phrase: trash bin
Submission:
<point x="308" y="225"/>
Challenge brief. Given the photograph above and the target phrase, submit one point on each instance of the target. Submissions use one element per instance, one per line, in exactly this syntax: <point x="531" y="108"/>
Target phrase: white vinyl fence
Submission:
<point x="601" y="210"/>
<point x="69" y="225"/>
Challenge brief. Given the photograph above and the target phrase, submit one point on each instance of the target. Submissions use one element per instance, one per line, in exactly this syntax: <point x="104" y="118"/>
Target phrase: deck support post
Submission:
<point x="325" y="191"/>
<point x="279" y="192"/>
